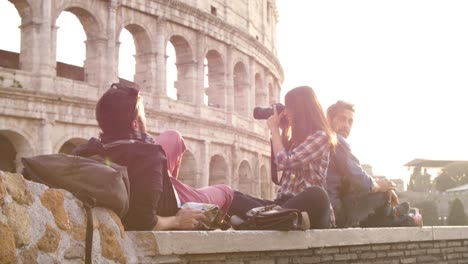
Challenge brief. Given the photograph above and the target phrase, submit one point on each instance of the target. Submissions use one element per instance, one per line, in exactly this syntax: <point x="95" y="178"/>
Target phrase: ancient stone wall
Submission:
<point x="47" y="106"/>
<point x="43" y="225"/>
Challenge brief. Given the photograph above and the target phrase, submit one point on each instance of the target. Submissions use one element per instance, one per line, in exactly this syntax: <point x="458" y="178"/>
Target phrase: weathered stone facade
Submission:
<point x="47" y="106"/>
<point x="50" y="228"/>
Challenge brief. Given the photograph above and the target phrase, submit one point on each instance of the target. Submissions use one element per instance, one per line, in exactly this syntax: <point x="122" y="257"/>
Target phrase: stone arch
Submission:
<point x="18" y="58"/>
<point x="71" y="144"/>
<point x="264" y="183"/>
<point x="16" y="146"/>
<point x="241" y="89"/>
<point x="271" y="90"/>
<point x="245" y="177"/>
<point x="188" y="169"/>
<point x="95" y="44"/>
<point x="260" y="93"/>
<point x="143" y="62"/>
<point x="218" y="170"/>
<point x="215" y="91"/>
<point x="186" y="69"/>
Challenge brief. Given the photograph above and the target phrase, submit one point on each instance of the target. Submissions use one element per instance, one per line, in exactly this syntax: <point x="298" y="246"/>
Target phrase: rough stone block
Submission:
<point x="29" y="255"/>
<point x="360" y="248"/>
<point x="454" y="243"/>
<point x="381" y="247"/>
<point x="75" y="251"/>
<point x="428" y="258"/>
<point x="339" y="257"/>
<point x="53" y="200"/>
<point x="396" y="254"/>
<point x="433" y="251"/>
<point x="368" y="255"/>
<point x="408" y="260"/>
<point x="110" y="245"/>
<point x="7" y="244"/>
<point x="16" y="187"/>
<point x="50" y="240"/>
<point x="20" y="223"/>
<point x="2" y="188"/>
<point x="315" y="259"/>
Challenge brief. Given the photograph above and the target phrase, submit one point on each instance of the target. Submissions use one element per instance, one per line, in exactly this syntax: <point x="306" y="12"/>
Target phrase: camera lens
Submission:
<point x="266" y="112"/>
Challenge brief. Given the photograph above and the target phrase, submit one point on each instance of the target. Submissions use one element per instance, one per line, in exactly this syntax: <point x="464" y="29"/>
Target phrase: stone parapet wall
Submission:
<point x="43" y="225"/>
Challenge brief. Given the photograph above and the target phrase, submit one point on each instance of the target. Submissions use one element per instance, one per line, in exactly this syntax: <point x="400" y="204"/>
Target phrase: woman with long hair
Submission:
<point x="301" y="143"/>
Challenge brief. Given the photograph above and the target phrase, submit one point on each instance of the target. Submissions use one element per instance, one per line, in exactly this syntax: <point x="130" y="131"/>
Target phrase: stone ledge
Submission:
<point x="202" y="242"/>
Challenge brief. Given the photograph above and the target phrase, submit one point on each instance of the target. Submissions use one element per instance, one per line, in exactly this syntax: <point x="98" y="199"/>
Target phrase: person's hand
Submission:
<point x="274" y="120"/>
<point x="393" y="198"/>
<point x="384" y="185"/>
<point x="188" y="219"/>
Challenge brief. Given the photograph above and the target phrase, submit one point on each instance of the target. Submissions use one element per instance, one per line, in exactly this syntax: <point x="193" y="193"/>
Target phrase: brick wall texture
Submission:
<point x="440" y="252"/>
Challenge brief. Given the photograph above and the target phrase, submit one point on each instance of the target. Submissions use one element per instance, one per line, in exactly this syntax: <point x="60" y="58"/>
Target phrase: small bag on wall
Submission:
<point x="274" y="217"/>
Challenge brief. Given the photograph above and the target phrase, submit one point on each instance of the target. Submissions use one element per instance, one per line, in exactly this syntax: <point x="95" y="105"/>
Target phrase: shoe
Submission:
<point x="402" y="208"/>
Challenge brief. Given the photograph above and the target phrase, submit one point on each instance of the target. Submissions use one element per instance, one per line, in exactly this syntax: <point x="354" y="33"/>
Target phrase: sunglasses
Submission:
<point x="129" y="91"/>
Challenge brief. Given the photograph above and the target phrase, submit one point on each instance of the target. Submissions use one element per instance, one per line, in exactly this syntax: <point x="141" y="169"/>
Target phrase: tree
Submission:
<point x="429" y="212"/>
<point x="454" y="174"/>
<point x="457" y="214"/>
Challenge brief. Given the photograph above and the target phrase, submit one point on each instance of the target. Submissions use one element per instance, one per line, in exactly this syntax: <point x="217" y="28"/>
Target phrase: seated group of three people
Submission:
<point x="304" y="146"/>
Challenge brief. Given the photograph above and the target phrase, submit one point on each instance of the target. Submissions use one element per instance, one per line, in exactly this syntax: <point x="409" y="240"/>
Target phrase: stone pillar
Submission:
<point x="145" y="74"/>
<point x="38" y="42"/>
<point x="160" y="78"/>
<point x="257" y="177"/>
<point x="251" y="87"/>
<point x="200" y="71"/>
<point x="45" y="134"/>
<point x="204" y="179"/>
<point x="95" y="63"/>
<point x="112" y="62"/>
<point x="229" y="80"/>
<point x="186" y="81"/>
<point x="234" y="179"/>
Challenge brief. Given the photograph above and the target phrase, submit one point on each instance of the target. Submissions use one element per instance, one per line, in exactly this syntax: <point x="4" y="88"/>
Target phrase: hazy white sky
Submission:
<point x="404" y="64"/>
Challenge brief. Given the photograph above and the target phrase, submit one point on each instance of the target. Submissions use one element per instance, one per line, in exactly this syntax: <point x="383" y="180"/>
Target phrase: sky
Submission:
<point x="404" y="64"/>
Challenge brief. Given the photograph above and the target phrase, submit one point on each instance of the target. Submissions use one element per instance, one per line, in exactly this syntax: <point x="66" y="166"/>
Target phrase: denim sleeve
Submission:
<point x="352" y="170"/>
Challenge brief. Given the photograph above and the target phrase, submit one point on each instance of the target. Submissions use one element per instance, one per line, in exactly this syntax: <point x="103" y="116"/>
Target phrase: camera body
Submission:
<point x="266" y="112"/>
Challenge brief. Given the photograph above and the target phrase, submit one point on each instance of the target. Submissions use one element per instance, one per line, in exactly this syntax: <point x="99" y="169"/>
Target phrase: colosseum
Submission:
<point x="225" y="61"/>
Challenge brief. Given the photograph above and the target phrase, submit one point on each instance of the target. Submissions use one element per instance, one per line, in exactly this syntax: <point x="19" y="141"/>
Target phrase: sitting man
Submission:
<point x="357" y="199"/>
<point x="153" y="204"/>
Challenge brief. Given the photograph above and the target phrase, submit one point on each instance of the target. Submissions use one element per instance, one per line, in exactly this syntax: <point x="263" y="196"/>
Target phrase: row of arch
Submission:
<point x="14" y="145"/>
<point x="206" y="70"/>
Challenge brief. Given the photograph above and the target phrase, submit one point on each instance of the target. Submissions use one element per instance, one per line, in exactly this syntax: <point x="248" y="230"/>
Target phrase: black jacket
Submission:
<point x="151" y="191"/>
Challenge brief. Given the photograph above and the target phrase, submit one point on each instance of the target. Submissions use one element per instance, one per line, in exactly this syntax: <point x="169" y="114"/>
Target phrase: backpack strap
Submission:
<point x="89" y="235"/>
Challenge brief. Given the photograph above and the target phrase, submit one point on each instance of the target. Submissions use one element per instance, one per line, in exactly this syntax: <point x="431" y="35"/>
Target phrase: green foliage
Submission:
<point x="452" y="175"/>
<point x="457" y="214"/>
<point x="429" y="212"/>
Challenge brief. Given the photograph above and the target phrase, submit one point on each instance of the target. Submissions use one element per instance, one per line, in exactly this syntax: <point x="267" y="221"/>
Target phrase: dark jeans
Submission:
<point x="371" y="210"/>
<point x="313" y="200"/>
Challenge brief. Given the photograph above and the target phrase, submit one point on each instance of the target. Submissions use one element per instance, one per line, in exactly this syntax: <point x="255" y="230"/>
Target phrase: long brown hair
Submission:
<point x="308" y="116"/>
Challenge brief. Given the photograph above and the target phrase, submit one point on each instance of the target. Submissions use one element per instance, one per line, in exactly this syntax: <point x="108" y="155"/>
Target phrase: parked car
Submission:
<point x="416" y="214"/>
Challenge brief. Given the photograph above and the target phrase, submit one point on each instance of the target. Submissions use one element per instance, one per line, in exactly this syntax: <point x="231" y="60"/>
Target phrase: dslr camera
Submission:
<point x="266" y="112"/>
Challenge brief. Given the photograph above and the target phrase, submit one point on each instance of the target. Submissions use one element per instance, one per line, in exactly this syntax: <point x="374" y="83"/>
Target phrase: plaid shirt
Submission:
<point x="305" y="165"/>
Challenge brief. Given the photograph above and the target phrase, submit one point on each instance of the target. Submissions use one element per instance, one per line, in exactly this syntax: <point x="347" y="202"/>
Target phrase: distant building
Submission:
<point x="420" y="180"/>
<point x="458" y="189"/>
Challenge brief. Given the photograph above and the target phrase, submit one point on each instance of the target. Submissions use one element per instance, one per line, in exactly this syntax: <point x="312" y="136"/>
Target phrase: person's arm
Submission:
<point x="185" y="219"/>
<point x="313" y="147"/>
